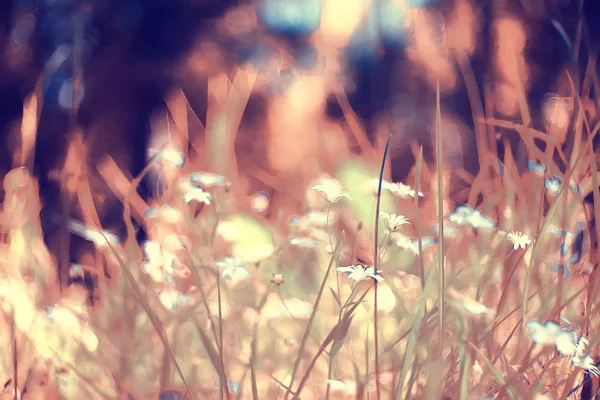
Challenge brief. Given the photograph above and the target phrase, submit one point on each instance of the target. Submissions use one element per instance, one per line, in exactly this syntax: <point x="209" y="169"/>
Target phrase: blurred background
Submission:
<point x="103" y="71"/>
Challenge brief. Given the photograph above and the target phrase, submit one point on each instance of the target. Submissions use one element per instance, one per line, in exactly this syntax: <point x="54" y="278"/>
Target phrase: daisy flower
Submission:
<point x="160" y="263"/>
<point x="331" y="189"/>
<point x="232" y="268"/>
<point x="192" y="192"/>
<point x="359" y="273"/>
<point x="394" y="222"/>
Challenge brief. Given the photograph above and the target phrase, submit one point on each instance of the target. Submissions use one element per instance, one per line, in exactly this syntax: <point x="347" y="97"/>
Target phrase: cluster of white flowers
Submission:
<point x="566" y="341"/>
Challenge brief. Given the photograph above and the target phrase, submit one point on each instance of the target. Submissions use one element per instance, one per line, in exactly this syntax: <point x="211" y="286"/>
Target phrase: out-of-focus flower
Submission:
<point x="331" y="189"/>
<point x="567" y="342"/>
<point x="260" y="202"/>
<point x="160" y="263"/>
<point x="232" y="268"/>
<point x="465" y="215"/>
<point x="553" y="185"/>
<point x="469" y="304"/>
<point x="412" y="244"/>
<point x="277" y="279"/>
<point x="315" y="237"/>
<point x="449" y="230"/>
<point x="359" y="273"/>
<point x="586" y="363"/>
<point x="543" y="333"/>
<point x="401" y="190"/>
<point x="172" y="299"/>
<point x="168" y="154"/>
<point x="76" y="271"/>
<point x="394" y="222"/>
<point x="193" y="192"/>
<point x="536" y="167"/>
<point x="206" y="179"/>
<point x="99" y="238"/>
<point x="398" y="189"/>
<point x="303" y="242"/>
<point x="474" y="307"/>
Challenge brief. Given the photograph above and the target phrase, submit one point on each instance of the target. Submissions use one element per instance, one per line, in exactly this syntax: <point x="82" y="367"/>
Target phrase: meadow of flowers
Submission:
<point x="338" y="284"/>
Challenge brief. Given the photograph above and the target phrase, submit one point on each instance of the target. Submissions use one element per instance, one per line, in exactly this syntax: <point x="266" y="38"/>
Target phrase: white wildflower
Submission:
<point x="193" y="192"/>
<point x="160" y="263"/>
<point x="519" y="239"/>
<point x="359" y="273"/>
<point x="232" y="268"/>
<point x="394" y="222"/>
<point x="331" y="188"/>
<point x="169" y="155"/>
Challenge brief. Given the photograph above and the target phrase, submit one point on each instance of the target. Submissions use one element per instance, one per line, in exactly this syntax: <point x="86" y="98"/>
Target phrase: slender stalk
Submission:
<point x="375" y="266"/>
<point x="439" y="150"/>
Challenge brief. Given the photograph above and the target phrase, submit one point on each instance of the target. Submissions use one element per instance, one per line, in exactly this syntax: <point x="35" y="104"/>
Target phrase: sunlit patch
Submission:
<point x="359" y="273"/>
<point x="340" y="18"/>
<point x="89" y="339"/>
<point x="336" y="384"/>
<point x="274" y="308"/>
<point x="17" y="298"/>
<point x="206" y="179"/>
<point x="159" y="264"/>
<point x="173" y="299"/>
<point x="303" y="242"/>
<point x="252" y="252"/>
<point x="260" y="203"/>
<point x="474" y="217"/>
<point x="169" y="155"/>
<point x="167" y="213"/>
<point x="556" y="112"/>
<point x="232" y="269"/>
<point x="225" y="309"/>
